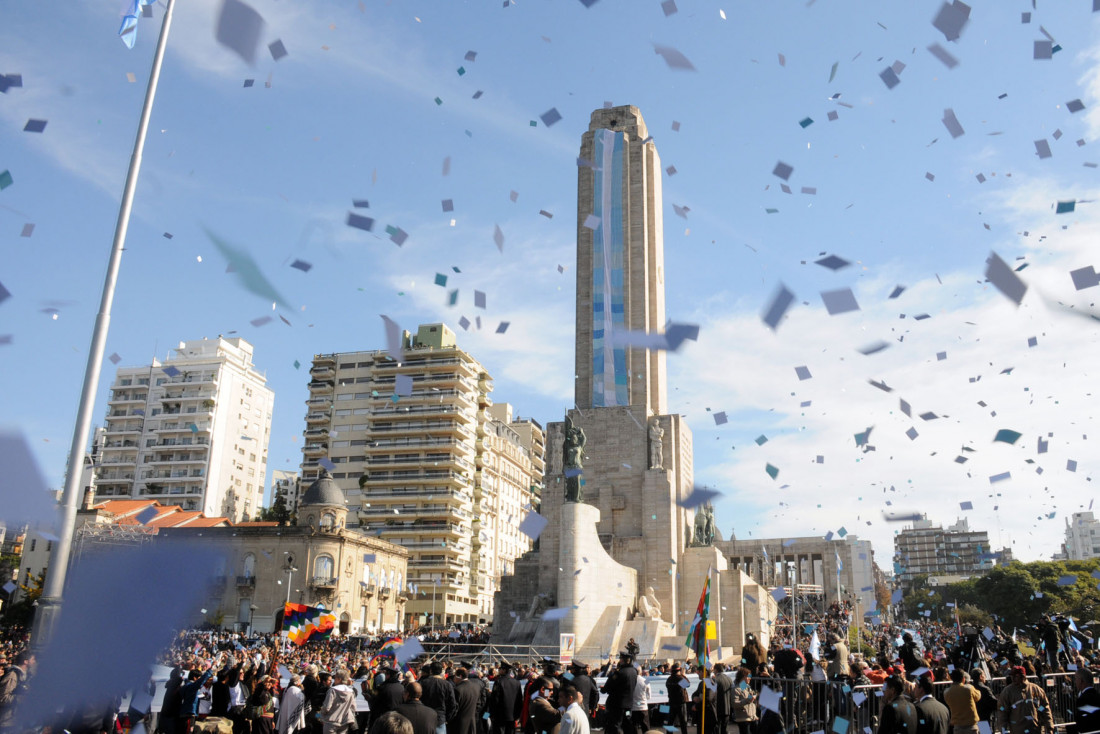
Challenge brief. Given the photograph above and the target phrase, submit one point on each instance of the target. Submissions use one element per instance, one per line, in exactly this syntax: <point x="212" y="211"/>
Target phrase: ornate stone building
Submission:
<point x="317" y="561"/>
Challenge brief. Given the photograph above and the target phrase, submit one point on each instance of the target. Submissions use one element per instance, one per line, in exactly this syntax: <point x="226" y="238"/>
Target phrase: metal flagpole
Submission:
<point x="50" y="604"/>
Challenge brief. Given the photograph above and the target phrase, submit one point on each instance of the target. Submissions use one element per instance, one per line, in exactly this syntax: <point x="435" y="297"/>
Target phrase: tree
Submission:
<point x="22" y="611"/>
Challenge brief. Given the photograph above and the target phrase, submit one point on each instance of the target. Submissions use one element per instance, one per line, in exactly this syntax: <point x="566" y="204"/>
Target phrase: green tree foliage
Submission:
<point x="1019" y="594"/>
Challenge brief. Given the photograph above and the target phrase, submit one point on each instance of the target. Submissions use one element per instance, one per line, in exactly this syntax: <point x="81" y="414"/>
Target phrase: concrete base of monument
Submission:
<point x="597" y="592"/>
<point x="607" y="636"/>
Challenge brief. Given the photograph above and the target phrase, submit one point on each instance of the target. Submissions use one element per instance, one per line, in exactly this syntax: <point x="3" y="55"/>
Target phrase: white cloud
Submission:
<point x="740" y="366"/>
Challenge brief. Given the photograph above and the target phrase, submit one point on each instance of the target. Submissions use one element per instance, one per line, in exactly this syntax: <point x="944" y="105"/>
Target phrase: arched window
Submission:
<point x="398" y="587"/>
<point x="324" y="568"/>
<point x="328" y="521"/>
<point x="366" y="575"/>
<point x="248" y="567"/>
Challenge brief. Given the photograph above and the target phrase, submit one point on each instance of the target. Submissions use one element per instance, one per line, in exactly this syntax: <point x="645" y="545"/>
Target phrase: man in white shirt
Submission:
<point x="575" y="718"/>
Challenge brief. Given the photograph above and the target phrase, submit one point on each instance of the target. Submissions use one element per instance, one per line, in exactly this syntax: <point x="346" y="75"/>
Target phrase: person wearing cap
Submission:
<point x="505" y="701"/>
<point x="1022" y="707"/>
<point x="587" y="688"/>
<point x="677" y="698"/>
<point x="619" y="688"/>
<point x="467" y="697"/>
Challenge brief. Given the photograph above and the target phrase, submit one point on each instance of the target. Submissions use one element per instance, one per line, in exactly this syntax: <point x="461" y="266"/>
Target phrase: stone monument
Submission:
<point x="618" y="467"/>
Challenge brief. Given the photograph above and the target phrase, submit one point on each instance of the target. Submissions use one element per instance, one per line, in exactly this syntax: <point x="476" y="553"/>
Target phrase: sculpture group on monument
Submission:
<point x="621" y="557"/>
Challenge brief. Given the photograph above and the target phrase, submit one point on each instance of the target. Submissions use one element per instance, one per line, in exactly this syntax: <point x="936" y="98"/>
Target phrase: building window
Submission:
<point x="33" y="542"/>
<point x="323" y="568"/>
<point x="248" y="567"/>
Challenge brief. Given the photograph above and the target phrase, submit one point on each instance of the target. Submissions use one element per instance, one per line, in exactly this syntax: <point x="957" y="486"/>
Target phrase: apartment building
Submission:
<point x="430" y="463"/>
<point x="191" y="431"/>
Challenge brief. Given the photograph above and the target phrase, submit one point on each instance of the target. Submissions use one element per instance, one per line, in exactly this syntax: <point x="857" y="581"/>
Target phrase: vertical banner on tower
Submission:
<point x="567" y="648"/>
<point x="609" y="378"/>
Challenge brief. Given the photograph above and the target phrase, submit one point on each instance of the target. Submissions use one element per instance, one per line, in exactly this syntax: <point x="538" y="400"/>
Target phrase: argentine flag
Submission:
<point x="131" y="10"/>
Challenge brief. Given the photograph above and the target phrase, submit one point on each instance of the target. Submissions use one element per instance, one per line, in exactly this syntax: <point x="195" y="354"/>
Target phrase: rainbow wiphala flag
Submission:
<point x="301" y="623"/>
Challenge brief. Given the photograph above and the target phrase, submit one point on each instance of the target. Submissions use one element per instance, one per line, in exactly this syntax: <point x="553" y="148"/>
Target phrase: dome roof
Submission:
<point x="324" y="491"/>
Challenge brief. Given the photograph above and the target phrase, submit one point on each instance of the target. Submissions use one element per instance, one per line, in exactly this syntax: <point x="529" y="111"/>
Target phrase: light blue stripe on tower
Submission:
<point x="609" y="374"/>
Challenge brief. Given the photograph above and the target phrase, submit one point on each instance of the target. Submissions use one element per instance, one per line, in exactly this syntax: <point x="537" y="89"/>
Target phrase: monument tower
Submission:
<point x="612" y="557"/>
<point x="620" y="263"/>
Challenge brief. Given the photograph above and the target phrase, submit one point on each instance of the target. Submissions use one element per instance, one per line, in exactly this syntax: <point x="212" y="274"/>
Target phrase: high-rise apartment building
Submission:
<point x="191" y="431"/>
<point x="926" y="549"/>
<point x="420" y="449"/>
<point x="1082" y="537"/>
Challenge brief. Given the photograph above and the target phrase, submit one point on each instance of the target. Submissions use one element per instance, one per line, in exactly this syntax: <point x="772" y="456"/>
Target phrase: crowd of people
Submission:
<point x="920" y="672"/>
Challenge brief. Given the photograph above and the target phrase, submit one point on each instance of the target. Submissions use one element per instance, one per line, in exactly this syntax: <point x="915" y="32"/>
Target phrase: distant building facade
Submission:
<point x="428" y="461"/>
<point x="286" y="484"/>
<point x="952" y="554"/>
<point x="1082" y="537"/>
<point x="191" y="431"/>
<point x="836" y="569"/>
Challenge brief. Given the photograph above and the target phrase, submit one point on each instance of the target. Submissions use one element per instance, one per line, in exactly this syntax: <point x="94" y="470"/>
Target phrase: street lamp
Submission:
<point x="289" y="574"/>
<point x="251" y="613"/>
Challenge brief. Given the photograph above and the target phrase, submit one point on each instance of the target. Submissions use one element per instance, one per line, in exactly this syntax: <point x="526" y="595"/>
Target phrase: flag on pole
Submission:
<point x="815" y="646"/>
<point x="697" y="633"/>
<point x="958" y="623"/>
<point x="301" y="623"/>
<point x="128" y="31"/>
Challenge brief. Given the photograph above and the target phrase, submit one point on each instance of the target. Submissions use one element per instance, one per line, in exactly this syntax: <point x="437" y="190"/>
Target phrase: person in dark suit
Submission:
<point x="723" y="701"/>
<point x="987" y="704"/>
<point x="388" y="695"/>
<point x="423" y="718"/>
<point x="1087" y="714"/>
<point x="467" y="695"/>
<point x="899" y="715"/>
<point x="545" y="717"/>
<point x="932" y="716"/>
<point x="438" y="694"/>
<point x="677" y="698"/>
<point x="475" y="676"/>
<point x="705" y="698"/>
<point x="505" y="701"/>
<point x="587" y="688"/>
<point x="620" y="695"/>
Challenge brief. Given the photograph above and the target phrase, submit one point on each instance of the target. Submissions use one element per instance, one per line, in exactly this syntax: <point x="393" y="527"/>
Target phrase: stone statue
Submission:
<point x="539" y="604"/>
<point x="572" y="460"/>
<point x="704" y="526"/>
<point x="229" y="505"/>
<point x="648" y="606"/>
<point x="656" y="445"/>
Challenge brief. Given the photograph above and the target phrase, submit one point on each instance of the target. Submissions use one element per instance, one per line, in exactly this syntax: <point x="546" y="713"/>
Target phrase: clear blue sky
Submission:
<point x="351" y="113"/>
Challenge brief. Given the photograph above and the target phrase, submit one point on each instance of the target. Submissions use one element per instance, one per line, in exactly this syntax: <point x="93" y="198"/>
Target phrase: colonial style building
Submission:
<point x="318" y="561"/>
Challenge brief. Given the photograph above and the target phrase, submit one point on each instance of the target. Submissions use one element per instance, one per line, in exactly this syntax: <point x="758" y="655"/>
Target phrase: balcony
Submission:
<point x="366" y="590"/>
<point x="322" y="372"/>
<point x="322" y="400"/>
<point x="323" y="582"/>
<point x="319" y="386"/>
<point x="246" y="582"/>
<point x="320" y="359"/>
<point x="315" y="449"/>
<point x="385" y="592"/>
<point x="319" y="417"/>
<point x="316" y="432"/>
